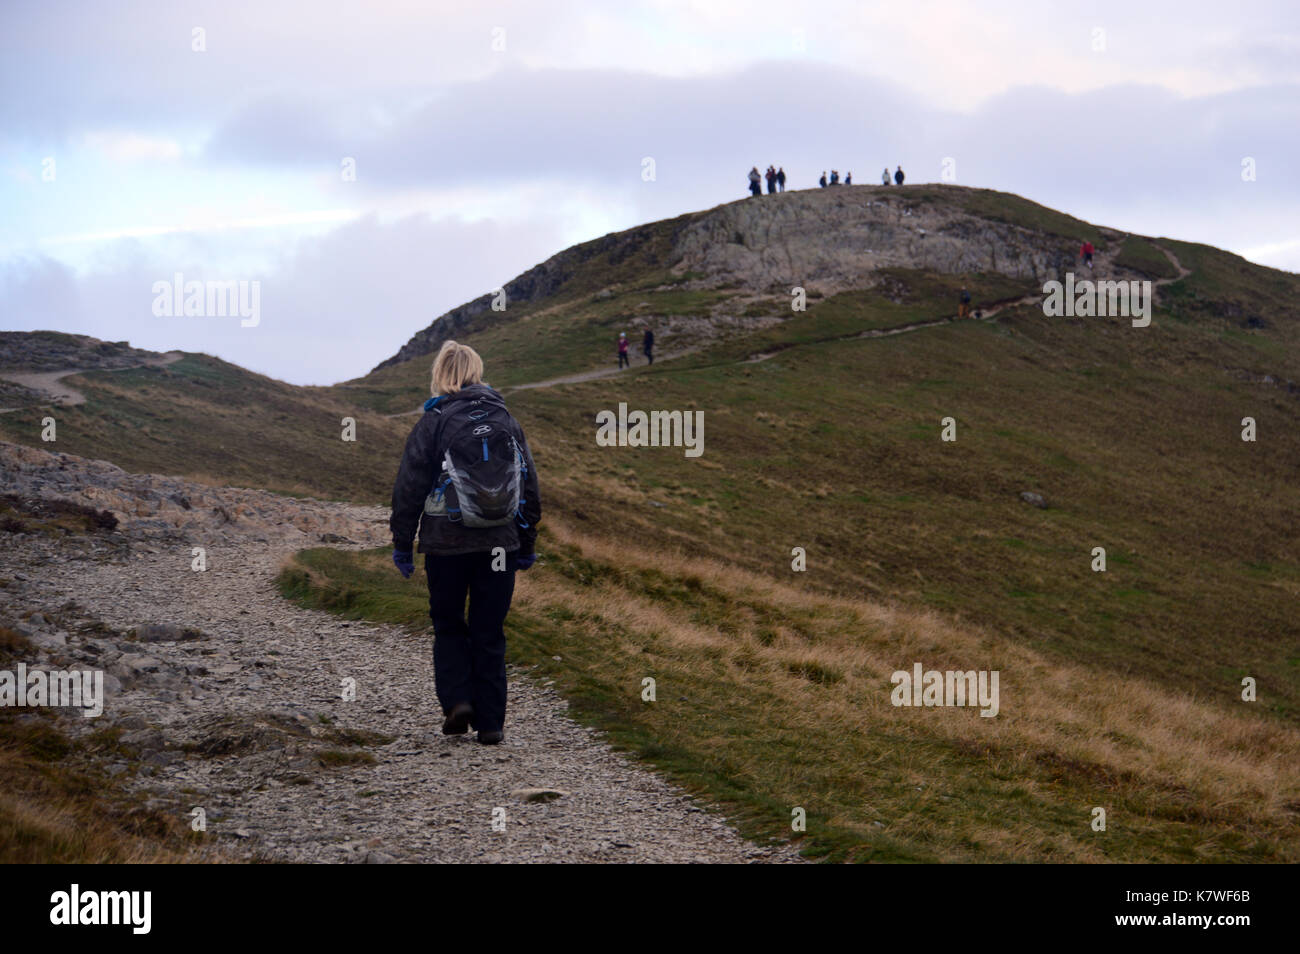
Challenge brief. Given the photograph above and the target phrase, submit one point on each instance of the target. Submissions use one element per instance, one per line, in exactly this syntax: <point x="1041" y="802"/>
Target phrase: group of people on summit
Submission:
<point x="776" y="179"/>
<point x="834" y="179"/>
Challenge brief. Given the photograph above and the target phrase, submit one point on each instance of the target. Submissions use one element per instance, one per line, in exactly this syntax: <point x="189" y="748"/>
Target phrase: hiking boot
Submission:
<point x="491" y="738"/>
<point x="457" y="721"/>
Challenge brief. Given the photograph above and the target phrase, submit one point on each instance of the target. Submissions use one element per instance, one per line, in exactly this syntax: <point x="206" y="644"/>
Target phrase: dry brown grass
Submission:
<point x="822" y="671"/>
<point x="55" y="808"/>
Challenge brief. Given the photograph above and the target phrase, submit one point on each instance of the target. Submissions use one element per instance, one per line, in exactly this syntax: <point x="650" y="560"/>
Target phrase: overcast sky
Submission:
<point x="488" y="136"/>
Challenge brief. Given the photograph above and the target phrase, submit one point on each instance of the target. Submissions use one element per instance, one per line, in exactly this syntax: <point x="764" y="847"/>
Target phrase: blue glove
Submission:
<point x="524" y="560"/>
<point x="405" y="562"/>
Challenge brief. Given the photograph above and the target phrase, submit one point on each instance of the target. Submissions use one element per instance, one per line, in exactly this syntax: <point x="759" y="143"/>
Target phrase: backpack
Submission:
<point x="483" y="468"/>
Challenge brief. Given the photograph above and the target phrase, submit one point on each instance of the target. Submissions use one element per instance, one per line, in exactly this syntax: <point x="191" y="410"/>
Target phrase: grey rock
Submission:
<point x="50" y="642"/>
<point x="539" y="794"/>
<point x="131" y="665"/>
<point x="145" y="740"/>
<point x="166" y="633"/>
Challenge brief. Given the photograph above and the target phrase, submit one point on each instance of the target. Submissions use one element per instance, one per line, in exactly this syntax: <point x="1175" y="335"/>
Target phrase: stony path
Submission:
<point x="231" y="701"/>
<point x="50" y="383"/>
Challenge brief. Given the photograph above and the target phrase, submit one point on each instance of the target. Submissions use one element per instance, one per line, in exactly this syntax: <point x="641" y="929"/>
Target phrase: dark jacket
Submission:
<point x="421" y="464"/>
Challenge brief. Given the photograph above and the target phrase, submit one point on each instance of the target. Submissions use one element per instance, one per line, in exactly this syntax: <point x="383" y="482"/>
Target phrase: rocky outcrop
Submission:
<point x="150" y="505"/>
<point x="56" y="351"/>
<point x="836" y="238"/>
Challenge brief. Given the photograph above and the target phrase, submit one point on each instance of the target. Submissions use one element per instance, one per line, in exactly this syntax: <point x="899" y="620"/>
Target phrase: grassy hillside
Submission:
<point x="769" y="697"/>
<point x="207" y="419"/>
<point x="1132" y="435"/>
<point x="1123" y="686"/>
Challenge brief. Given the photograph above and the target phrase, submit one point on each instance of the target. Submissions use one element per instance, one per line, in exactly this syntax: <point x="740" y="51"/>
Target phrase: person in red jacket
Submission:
<point x="1086" y="253"/>
<point x="623" y="359"/>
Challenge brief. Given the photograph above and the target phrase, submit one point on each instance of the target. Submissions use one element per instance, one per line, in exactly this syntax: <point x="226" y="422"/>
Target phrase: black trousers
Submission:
<point x="469" y="651"/>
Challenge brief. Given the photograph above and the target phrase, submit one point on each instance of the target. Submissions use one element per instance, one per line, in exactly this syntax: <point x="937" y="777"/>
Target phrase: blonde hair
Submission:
<point x="456" y="366"/>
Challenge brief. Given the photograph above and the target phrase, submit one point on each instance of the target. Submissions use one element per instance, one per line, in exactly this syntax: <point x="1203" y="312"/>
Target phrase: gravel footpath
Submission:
<point x="229" y="698"/>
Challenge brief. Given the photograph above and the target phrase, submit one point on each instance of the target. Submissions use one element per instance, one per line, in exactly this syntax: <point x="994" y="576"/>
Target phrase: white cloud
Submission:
<point x="1284" y="254"/>
<point x="133" y="147"/>
<point x="332" y="306"/>
<point x="279" y="220"/>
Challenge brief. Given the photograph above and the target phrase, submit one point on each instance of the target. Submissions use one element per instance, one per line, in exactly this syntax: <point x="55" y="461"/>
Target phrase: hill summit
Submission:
<point x="823" y="240"/>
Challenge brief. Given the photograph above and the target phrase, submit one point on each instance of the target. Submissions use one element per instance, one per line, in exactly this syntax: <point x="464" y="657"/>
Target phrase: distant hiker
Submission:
<point x="835" y="177"/>
<point x="848" y="178"/>
<point x="898" y="176"/>
<point x="771" y="180"/>
<point x="884" y="176"/>
<point x="754" y="179"/>
<point x="1086" y="253"/>
<point x="623" y="359"/>
<point x="963" y="307"/>
<point x="468" y="483"/>
<point x="648" y="346"/>
<point x="822" y="180"/>
<point x="780" y="179"/>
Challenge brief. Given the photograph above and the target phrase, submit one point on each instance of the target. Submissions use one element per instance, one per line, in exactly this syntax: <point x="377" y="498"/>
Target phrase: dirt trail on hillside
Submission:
<point x="232" y="703"/>
<point x="577" y="378"/>
<point x="50" y="383"/>
<point x="1183" y="272"/>
<point x="987" y="313"/>
<point x="593" y="375"/>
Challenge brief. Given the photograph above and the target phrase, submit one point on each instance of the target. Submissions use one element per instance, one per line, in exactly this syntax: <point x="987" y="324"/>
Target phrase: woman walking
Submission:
<point x="467" y="481"/>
